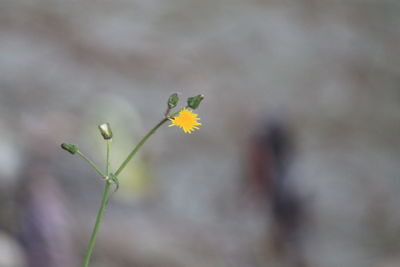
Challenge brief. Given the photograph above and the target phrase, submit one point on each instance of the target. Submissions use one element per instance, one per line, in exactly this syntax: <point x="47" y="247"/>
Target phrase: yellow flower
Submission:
<point x="186" y="120"/>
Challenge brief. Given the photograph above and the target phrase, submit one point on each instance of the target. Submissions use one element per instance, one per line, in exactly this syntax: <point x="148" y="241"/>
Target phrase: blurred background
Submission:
<point x="296" y="163"/>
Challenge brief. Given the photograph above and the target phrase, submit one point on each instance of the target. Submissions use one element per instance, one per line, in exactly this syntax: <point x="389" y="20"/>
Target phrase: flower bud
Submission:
<point x="194" y="102"/>
<point x="70" y="148"/>
<point x="173" y="101"/>
<point x="105" y="130"/>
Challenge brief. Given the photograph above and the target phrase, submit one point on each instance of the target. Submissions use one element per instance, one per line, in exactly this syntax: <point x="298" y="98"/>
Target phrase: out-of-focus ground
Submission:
<point x="328" y="69"/>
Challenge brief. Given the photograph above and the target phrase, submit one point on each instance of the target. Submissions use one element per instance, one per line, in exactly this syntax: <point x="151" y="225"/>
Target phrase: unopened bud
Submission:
<point x="194" y="102"/>
<point x="105" y="130"/>
<point x="173" y="100"/>
<point x="70" y="148"/>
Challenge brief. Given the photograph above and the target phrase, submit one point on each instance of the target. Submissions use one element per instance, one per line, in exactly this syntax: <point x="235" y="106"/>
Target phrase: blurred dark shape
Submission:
<point x="42" y="221"/>
<point x="271" y="182"/>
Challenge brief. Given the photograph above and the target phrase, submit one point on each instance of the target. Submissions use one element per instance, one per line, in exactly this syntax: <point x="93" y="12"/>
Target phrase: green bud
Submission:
<point x="194" y="102"/>
<point x="70" y="148"/>
<point x="173" y="100"/>
<point x="105" y="130"/>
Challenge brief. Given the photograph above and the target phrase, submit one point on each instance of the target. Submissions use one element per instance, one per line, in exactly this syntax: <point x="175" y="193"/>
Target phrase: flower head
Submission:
<point x="186" y="120"/>
<point x="105" y="130"/>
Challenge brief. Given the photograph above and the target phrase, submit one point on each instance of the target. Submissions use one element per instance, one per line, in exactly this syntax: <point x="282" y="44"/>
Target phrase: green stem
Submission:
<point x="100" y="214"/>
<point x="91" y="163"/>
<point x="108" y="158"/>
<point x="106" y="193"/>
<point x="139" y="145"/>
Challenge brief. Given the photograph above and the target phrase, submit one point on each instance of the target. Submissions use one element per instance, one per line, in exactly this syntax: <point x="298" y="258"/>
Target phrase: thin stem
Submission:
<point x="108" y="158"/>
<point x="139" y="145"/>
<point x="91" y="163"/>
<point x="106" y="193"/>
<point x="100" y="214"/>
